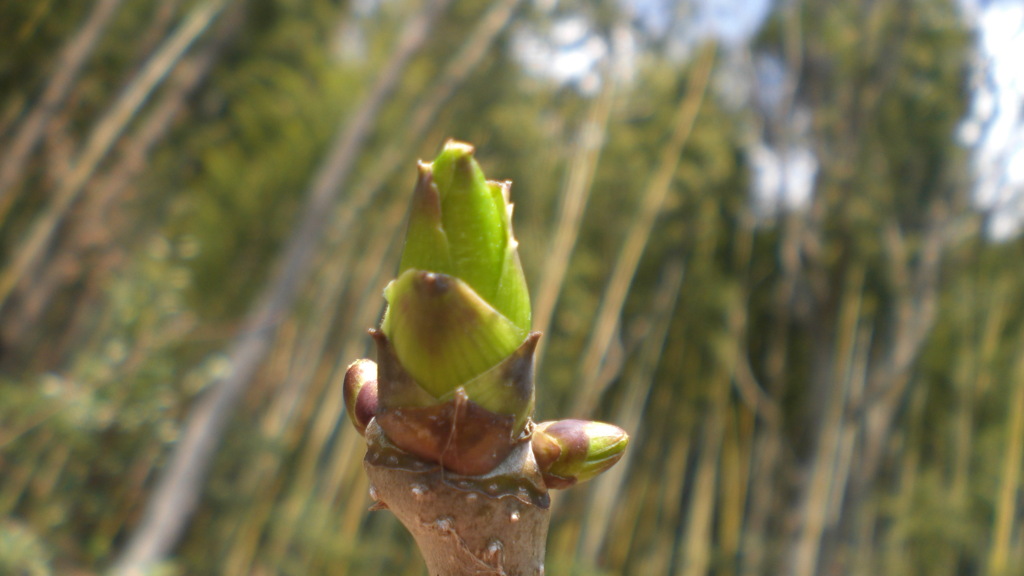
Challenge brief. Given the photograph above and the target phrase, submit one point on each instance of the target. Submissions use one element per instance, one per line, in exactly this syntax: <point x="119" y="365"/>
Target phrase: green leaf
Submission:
<point x="460" y="225"/>
<point x="443" y="333"/>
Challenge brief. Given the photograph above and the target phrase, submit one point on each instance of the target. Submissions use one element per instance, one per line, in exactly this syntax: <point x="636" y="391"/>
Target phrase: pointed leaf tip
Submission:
<point x="460" y="225"/>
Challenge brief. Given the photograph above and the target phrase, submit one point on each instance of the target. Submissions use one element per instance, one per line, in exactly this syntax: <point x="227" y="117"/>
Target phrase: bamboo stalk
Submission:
<point x="178" y="490"/>
<point x="1009" y="483"/>
<point x="695" y="546"/>
<point x="259" y="477"/>
<point x="365" y="281"/>
<point x="769" y="443"/>
<point x="897" y="559"/>
<point x="72" y="57"/>
<point x="607" y="318"/>
<point x="128" y="495"/>
<point x="102" y="138"/>
<point x="814" y="511"/>
<point x="670" y="504"/>
<point x="652" y="524"/>
<point x="573" y="200"/>
<point x="731" y="495"/>
<point x="18" y="478"/>
<point x="94" y="227"/>
<point x="861" y="550"/>
<point x="308" y="490"/>
<point x="605" y="491"/>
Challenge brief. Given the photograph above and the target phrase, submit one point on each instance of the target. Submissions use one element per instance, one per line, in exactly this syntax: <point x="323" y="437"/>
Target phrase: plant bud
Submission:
<point x="360" y="392"/>
<point x="460" y="224"/>
<point x="572" y="451"/>
<point x="455" y="353"/>
<point x="466" y="436"/>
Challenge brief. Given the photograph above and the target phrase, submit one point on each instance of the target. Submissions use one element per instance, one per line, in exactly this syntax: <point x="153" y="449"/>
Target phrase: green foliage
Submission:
<point x="771" y="319"/>
<point x="263" y="125"/>
<point x="22" y="552"/>
<point x="28" y="34"/>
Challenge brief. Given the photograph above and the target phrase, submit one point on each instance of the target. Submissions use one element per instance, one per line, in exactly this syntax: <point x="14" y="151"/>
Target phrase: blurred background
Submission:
<point x="777" y="241"/>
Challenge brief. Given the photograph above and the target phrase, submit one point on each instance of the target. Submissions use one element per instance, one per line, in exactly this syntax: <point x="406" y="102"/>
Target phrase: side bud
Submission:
<point x="573" y="451"/>
<point x="360" y="392"/>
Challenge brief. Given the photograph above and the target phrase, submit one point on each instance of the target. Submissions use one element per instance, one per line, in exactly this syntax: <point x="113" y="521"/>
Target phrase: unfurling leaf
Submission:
<point x="455" y="352"/>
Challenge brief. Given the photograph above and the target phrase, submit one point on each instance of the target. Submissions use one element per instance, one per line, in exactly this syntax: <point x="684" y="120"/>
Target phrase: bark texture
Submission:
<point x="493" y="524"/>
